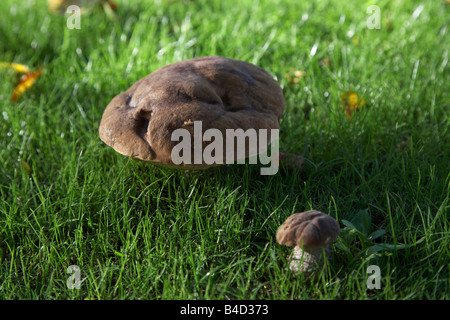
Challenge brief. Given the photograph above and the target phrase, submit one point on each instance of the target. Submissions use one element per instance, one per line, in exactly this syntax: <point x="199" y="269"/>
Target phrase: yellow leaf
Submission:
<point x="21" y="68"/>
<point x="26" y="81"/>
<point x="351" y="102"/>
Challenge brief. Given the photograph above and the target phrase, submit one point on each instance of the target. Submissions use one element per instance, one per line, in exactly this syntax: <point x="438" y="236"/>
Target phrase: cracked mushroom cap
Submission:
<point x="220" y="92"/>
<point x="310" y="230"/>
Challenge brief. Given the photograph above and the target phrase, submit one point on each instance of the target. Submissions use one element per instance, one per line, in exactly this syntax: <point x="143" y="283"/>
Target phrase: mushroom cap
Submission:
<point x="220" y="92"/>
<point x="310" y="230"/>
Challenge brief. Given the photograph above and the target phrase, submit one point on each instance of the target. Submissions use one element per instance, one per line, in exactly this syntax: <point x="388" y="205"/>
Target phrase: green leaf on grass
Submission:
<point x="376" y="234"/>
<point x="391" y="247"/>
<point x="362" y="221"/>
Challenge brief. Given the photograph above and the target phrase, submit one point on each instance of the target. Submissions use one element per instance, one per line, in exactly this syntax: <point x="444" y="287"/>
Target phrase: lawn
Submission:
<point x="135" y="231"/>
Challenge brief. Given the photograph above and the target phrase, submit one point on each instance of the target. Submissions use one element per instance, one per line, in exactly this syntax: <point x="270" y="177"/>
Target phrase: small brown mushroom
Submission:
<point x="292" y="161"/>
<point x="220" y="93"/>
<point x="310" y="233"/>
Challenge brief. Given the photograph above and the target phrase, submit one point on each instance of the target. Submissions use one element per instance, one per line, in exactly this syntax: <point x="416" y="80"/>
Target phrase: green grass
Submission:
<point x="139" y="232"/>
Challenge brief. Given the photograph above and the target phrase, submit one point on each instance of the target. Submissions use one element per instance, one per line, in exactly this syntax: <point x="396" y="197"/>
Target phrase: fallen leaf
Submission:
<point x="26" y="81"/>
<point x="60" y="6"/>
<point x="20" y="68"/>
<point x="351" y="102"/>
<point x="294" y="76"/>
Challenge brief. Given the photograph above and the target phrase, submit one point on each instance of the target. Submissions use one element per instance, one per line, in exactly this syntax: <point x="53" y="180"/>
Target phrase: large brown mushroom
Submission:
<point x="218" y="93"/>
<point x="310" y="233"/>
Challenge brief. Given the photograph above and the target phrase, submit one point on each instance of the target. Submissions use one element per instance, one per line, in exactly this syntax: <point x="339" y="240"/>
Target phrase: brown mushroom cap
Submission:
<point x="222" y="93"/>
<point x="310" y="230"/>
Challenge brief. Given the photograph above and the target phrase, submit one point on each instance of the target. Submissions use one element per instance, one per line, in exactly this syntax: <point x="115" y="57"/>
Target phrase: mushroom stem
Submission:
<point x="307" y="260"/>
<point x="310" y="233"/>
